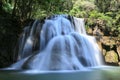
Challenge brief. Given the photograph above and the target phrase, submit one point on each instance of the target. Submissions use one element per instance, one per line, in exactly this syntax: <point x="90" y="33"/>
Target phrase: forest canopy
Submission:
<point x="107" y="11"/>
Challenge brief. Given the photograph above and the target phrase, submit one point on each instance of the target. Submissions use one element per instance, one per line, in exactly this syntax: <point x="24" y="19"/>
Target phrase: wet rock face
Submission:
<point x="118" y="50"/>
<point x="110" y="47"/>
<point x="106" y="40"/>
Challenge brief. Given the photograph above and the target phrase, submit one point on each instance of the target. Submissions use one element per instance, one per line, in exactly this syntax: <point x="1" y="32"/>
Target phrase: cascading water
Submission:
<point x="59" y="42"/>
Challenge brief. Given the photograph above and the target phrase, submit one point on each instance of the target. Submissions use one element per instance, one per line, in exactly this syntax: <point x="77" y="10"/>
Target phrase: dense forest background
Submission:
<point x="102" y="19"/>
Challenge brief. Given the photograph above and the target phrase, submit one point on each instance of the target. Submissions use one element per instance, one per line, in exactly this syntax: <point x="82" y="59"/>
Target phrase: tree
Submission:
<point x="107" y="5"/>
<point x="14" y="13"/>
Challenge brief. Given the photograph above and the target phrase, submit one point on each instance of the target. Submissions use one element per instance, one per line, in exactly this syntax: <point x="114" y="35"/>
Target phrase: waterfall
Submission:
<point x="59" y="42"/>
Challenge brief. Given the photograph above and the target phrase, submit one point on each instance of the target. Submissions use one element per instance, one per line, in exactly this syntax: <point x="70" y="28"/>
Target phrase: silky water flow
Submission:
<point x="58" y="42"/>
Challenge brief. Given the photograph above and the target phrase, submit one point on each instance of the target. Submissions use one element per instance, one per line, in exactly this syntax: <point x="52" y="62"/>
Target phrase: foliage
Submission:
<point x="97" y="12"/>
<point x="107" y="20"/>
<point x="81" y="8"/>
<point x="108" y="5"/>
<point x="117" y="25"/>
<point x="50" y="7"/>
<point x="9" y="31"/>
<point x="7" y="7"/>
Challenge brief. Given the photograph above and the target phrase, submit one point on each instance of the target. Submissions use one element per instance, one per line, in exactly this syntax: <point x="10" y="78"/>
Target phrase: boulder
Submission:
<point x="111" y="57"/>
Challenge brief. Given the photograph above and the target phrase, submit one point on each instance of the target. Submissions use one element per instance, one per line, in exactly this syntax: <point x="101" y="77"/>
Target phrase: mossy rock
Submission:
<point x="111" y="57"/>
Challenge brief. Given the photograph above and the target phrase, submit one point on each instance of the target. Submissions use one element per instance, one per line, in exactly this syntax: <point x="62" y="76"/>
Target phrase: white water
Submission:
<point x="57" y="43"/>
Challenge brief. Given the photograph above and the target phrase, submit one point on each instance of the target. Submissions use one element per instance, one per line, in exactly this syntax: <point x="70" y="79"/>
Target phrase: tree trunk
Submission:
<point x="1" y="5"/>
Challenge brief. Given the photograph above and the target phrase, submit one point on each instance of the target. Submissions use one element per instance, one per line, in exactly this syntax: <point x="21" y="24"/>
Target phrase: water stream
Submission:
<point x="59" y="42"/>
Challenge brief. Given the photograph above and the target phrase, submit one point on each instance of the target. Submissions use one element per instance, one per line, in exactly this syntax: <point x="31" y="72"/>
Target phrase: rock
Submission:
<point x="111" y="57"/>
<point x="118" y="50"/>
